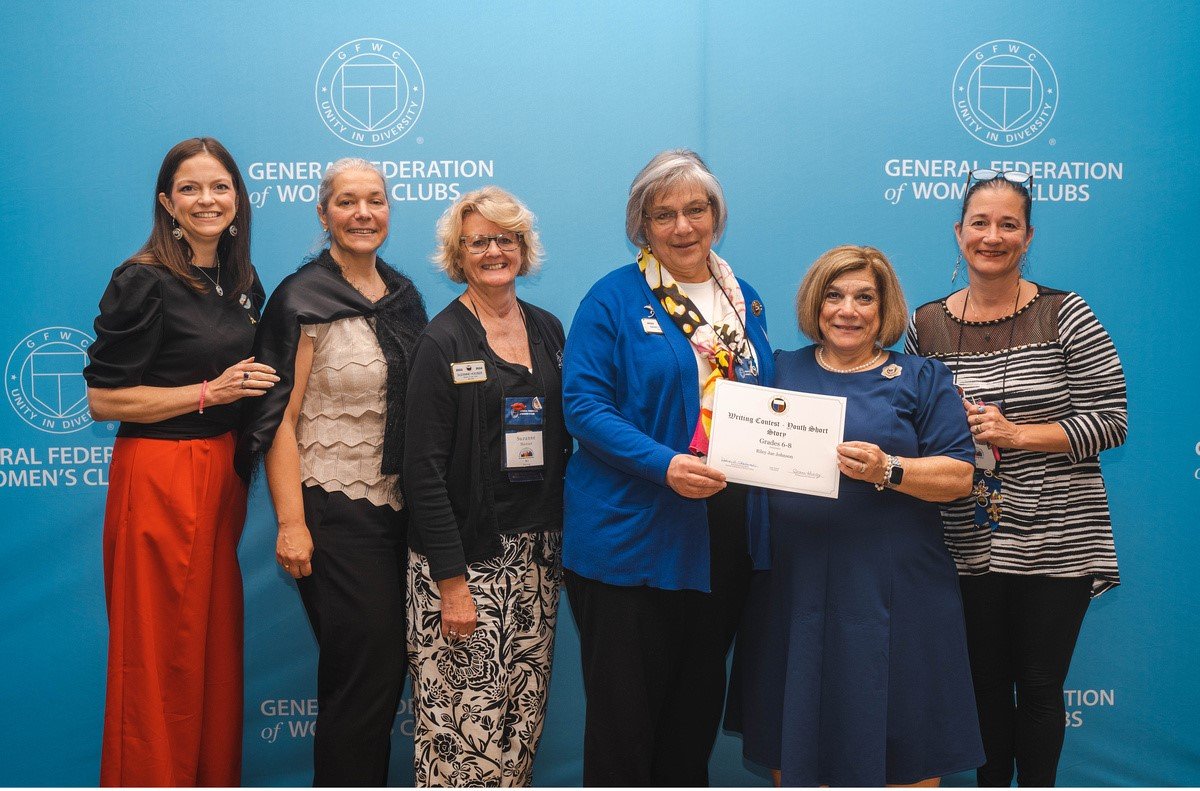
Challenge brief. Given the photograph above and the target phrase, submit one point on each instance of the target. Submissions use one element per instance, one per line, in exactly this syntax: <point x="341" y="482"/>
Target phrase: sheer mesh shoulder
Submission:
<point x="940" y="334"/>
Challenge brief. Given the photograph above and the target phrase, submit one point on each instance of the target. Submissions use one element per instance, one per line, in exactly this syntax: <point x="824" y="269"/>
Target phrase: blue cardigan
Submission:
<point x="631" y="400"/>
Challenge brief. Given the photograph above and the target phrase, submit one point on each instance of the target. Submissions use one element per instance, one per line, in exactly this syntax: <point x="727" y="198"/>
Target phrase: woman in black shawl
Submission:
<point x="339" y="331"/>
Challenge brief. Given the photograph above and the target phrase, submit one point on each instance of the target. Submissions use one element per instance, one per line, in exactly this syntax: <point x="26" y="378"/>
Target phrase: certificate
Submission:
<point x="778" y="439"/>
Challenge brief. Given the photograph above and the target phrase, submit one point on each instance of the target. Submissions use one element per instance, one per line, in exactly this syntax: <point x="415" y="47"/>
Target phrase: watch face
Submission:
<point x="896" y="475"/>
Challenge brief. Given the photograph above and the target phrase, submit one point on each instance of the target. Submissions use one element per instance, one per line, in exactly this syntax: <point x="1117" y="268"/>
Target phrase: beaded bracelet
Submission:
<point x="203" y="387"/>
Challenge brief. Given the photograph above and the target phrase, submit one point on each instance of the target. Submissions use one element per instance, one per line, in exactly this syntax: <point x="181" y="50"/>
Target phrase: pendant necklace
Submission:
<point x="216" y="285"/>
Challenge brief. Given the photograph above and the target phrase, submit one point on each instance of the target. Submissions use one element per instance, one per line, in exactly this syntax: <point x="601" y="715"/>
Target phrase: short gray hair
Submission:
<point x="668" y="169"/>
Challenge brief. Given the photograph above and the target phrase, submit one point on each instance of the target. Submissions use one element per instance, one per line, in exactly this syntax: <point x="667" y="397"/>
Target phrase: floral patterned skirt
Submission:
<point x="479" y="703"/>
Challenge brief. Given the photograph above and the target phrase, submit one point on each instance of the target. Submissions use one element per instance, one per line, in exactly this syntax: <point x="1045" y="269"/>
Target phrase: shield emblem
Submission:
<point x="56" y="381"/>
<point x="1004" y="93"/>
<point x="369" y="88"/>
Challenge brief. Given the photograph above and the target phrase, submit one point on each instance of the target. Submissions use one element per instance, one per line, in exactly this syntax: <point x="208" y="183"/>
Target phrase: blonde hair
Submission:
<point x="495" y="205"/>
<point x="893" y="313"/>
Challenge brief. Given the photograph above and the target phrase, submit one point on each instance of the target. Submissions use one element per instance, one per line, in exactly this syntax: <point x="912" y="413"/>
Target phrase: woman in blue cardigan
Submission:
<point x="657" y="545"/>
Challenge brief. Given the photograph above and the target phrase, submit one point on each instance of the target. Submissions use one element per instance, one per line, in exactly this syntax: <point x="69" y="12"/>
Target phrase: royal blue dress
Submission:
<point x="851" y="666"/>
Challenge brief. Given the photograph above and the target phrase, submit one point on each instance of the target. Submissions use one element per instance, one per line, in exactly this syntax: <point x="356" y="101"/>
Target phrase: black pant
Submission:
<point x="355" y="603"/>
<point x="654" y="663"/>
<point x="1021" y="632"/>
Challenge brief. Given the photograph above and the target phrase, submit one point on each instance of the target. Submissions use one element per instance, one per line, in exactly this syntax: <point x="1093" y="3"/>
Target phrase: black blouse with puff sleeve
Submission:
<point x="154" y="329"/>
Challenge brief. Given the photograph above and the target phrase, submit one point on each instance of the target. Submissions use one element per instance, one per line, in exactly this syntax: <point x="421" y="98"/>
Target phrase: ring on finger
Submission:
<point x="862" y="466"/>
<point x="245" y="375"/>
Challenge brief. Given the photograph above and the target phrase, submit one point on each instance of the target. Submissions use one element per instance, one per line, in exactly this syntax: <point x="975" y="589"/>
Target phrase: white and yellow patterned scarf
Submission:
<point x="720" y="340"/>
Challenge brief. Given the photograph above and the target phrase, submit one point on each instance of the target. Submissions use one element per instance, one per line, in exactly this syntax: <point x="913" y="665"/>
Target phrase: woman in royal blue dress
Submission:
<point x="852" y="664"/>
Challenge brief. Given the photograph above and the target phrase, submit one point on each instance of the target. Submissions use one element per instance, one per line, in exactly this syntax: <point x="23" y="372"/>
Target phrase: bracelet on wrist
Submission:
<point x="893" y="474"/>
<point x="203" y="388"/>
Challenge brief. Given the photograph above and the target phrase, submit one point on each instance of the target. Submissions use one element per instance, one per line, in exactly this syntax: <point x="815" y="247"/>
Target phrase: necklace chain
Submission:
<point x="1012" y="334"/>
<point x="854" y="370"/>
<point x="967" y="304"/>
<point x="216" y="283"/>
<point x="362" y="290"/>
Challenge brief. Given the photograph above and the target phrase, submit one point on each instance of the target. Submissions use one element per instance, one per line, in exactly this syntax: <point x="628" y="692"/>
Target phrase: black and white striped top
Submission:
<point x="1050" y="362"/>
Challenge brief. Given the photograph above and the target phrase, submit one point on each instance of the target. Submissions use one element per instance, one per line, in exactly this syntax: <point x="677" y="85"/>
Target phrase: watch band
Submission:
<point x="893" y="474"/>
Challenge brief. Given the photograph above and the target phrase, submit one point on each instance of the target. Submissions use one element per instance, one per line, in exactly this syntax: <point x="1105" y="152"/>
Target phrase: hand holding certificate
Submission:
<point x="778" y="439"/>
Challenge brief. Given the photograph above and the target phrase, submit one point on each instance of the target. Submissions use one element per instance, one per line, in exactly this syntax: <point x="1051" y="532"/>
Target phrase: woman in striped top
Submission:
<point x="1045" y="394"/>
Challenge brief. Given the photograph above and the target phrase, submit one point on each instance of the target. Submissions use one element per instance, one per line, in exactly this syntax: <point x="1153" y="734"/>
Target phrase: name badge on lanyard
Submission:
<point x="987" y="455"/>
<point x="523" y="421"/>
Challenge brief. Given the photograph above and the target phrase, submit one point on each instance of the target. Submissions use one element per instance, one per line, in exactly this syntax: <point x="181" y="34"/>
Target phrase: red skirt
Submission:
<point x="173" y="712"/>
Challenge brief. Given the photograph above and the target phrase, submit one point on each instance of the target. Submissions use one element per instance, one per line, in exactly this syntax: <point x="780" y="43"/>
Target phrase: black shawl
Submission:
<point x="317" y="293"/>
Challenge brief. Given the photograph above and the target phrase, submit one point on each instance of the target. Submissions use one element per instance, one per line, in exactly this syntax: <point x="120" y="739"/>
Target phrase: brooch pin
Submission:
<point x="891" y="371"/>
<point x="244" y="301"/>
<point x="756" y="308"/>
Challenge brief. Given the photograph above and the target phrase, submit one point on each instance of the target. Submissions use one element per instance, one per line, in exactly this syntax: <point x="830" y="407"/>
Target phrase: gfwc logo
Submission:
<point x="44" y="380"/>
<point x="1005" y="93"/>
<point x="370" y="92"/>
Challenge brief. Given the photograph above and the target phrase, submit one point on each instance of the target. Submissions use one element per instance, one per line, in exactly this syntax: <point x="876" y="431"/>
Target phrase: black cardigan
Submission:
<point x="452" y="518"/>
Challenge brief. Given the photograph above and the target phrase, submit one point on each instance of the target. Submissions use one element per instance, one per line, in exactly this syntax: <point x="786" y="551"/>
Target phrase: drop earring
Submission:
<point x="232" y="229"/>
<point x="954" y="274"/>
<point x="176" y="231"/>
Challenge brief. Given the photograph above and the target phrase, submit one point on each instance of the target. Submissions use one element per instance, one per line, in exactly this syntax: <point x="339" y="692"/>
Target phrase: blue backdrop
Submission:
<point x="827" y="123"/>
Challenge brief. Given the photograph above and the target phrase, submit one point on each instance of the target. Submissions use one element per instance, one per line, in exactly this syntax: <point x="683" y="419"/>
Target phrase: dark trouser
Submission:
<point x="654" y="663"/>
<point x="1021" y="632"/>
<point x="355" y="603"/>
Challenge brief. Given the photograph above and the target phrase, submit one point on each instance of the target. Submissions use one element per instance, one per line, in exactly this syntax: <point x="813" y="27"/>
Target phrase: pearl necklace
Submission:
<point x="854" y="370"/>
<point x="216" y="285"/>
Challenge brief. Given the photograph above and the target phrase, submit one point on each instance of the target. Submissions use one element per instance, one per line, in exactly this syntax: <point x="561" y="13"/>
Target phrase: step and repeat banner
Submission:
<point x="827" y="124"/>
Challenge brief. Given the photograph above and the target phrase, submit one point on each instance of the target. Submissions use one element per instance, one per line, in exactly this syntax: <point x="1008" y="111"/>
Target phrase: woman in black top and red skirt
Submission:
<point x="169" y="362"/>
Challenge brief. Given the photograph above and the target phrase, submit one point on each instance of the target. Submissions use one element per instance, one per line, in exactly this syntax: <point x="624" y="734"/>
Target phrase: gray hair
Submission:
<point x="668" y="169"/>
<point x="325" y="190"/>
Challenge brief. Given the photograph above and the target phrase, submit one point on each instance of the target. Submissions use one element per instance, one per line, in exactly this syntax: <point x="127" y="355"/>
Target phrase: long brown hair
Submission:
<point x="163" y="249"/>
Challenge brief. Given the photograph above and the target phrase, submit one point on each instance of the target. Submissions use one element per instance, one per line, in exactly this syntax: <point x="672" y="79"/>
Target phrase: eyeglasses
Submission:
<point x="665" y="218"/>
<point x="1015" y="176"/>
<point x="479" y="244"/>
